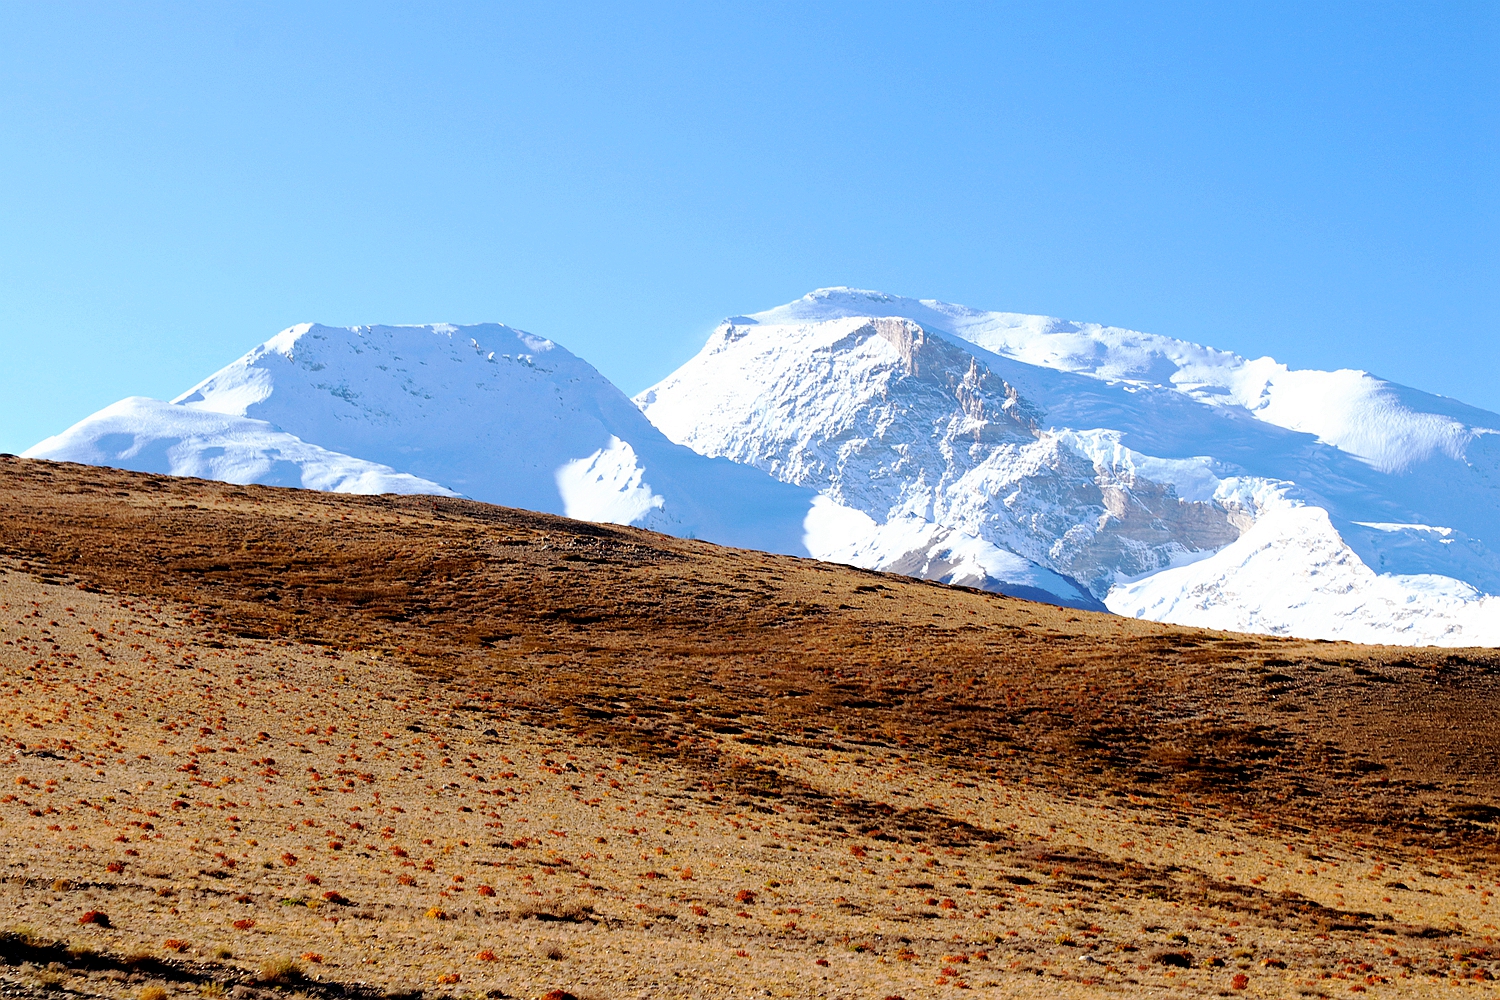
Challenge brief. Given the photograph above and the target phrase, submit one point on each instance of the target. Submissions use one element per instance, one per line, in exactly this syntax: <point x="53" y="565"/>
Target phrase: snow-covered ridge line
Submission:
<point x="147" y="435"/>
<point x="1389" y="425"/>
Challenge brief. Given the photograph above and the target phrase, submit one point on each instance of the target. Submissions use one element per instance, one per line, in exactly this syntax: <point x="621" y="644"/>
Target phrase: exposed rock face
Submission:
<point x="893" y="419"/>
<point x="1141" y="524"/>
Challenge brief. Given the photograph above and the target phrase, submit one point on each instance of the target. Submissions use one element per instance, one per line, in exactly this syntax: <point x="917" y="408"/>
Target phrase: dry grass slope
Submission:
<point x="266" y="741"/>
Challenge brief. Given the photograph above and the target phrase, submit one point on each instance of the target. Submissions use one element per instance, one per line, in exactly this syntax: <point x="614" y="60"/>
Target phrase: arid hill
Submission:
<point x="262" y="739"/>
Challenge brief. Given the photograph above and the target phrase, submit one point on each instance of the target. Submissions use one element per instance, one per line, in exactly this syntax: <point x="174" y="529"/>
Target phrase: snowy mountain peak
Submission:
<point x="1389" y="426"/>
<point x="1115" y="459"/>
<point x="350" y="370"/>
<point x="484" y="411"/>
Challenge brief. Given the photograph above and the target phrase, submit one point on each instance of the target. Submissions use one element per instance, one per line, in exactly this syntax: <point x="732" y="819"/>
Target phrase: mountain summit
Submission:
<point x="1172" y="481"/>
<point x="488" y="412"/>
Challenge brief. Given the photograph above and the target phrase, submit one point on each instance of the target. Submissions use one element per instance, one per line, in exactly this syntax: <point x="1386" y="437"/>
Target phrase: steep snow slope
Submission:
<point x="485" y="411"/>
<point x="1127" y="462"/>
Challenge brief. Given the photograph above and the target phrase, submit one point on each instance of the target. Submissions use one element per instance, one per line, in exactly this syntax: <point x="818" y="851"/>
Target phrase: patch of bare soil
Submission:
<point x="262" y="741"/>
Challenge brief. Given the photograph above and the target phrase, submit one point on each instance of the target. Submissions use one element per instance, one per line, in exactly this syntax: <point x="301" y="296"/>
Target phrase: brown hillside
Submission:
<point x="427" y="744"/>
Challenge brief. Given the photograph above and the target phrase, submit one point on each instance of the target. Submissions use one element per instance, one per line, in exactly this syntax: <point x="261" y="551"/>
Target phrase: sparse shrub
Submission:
<point x="405" y="880"/>
<point x="115" y="867"/>
<point x="244" y="925"/>
<point x="554" y="953"/>
<point x="558" y="995"/>
<point x="96" y="917"/>
<point x="152" y="992"/>
<point x="745" y="896"/>
<point x="174" y="944"/>
<point x="486" y="956"/>
<point x="485" y="890"/>
<point x="449" y="978"/>
<point x="223" y="954"/>
<point x="212" y="990"/>
<point x="1173" y="959"/>
<point x="48" y="980"/>
<point x="281" y="970"/>
<point x="573" y="913"/>
<point x="437" y="913"/>
<point x="336" y="898"/>
<point x="62" y="885"/>
<point x="313" y="957"/>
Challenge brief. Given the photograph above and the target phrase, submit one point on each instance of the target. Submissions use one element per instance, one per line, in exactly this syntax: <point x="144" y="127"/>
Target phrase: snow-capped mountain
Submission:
<point x="1084" y="465"/>
<point x="1168" y="480"/>
<point x="486" y="411"/>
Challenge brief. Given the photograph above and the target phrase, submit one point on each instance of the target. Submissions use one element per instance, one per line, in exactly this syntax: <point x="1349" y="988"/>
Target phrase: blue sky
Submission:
<point x="1317" y="182"/>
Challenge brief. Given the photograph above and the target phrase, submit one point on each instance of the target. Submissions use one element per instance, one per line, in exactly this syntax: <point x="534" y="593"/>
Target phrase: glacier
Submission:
<point x="1167" y="480"/>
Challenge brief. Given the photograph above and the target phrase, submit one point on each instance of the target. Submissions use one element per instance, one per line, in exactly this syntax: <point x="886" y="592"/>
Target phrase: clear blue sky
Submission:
<point x="1317" y="182"/>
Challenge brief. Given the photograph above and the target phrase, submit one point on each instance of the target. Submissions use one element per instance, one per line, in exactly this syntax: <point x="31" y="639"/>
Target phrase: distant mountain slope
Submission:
<point x="148" y="435"/>
<point x="485" y="411"/>
<point x="1173" y="481"/>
